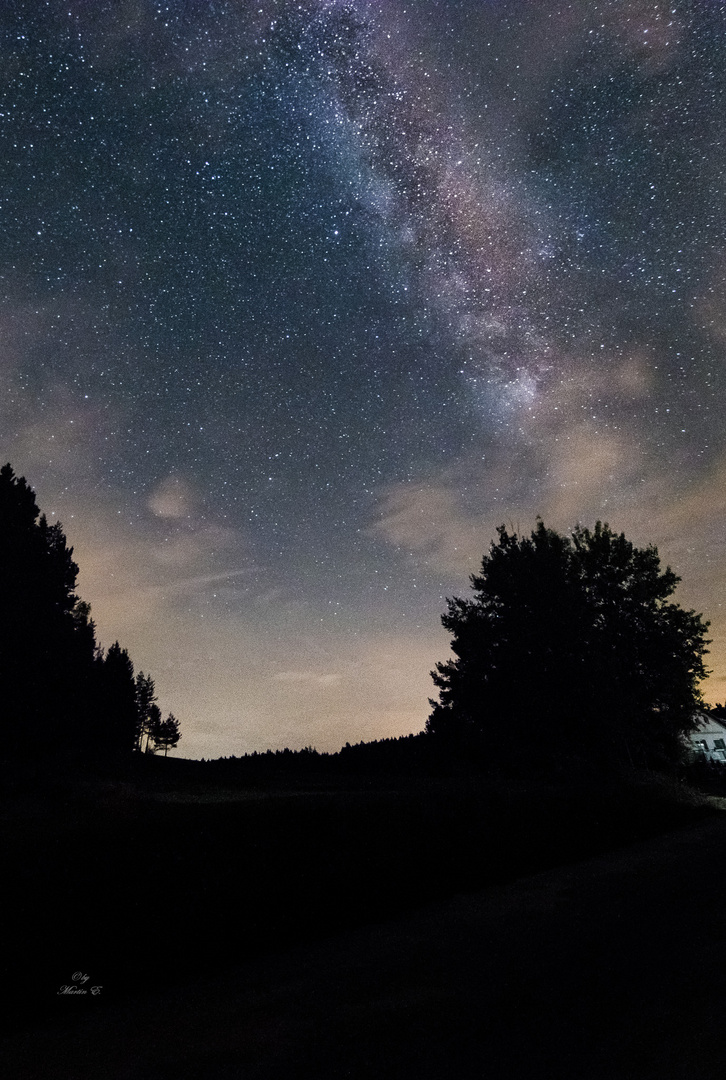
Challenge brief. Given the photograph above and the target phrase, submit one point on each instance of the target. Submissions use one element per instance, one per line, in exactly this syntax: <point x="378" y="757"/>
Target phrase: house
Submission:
<point x="708" y="738"/>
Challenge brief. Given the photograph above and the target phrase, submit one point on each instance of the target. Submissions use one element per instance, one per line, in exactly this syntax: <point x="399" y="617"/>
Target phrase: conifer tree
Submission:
<point x="166" y="734"/>
<point x="47" y="639"/>
<point x="145" y="698"/>
<point x="60" y="696"/>
<point x="153" y="725"/>
<point x="119" y="700"/>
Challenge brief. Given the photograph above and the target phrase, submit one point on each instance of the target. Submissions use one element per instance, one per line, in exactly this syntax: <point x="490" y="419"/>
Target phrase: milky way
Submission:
<point x="298" y="301"/>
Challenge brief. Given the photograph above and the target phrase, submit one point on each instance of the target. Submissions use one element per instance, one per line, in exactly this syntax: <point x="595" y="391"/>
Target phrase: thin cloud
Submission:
<point x="308" y="677"/>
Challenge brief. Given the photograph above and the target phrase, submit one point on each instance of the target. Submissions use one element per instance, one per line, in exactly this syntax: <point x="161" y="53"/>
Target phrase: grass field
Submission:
<point x="432" y="929"/>
<point x="165" y="874"/>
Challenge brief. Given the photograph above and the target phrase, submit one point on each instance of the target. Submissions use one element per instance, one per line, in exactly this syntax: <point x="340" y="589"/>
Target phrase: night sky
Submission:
<point x="299" y="301"/>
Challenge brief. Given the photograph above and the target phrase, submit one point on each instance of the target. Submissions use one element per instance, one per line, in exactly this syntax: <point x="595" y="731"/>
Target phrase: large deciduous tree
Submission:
<point x="570" y="648"/>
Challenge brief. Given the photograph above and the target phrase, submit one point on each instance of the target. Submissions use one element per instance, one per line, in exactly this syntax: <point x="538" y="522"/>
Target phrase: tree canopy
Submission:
<point x="60" y="695"/>
<point x="570" y="646"/>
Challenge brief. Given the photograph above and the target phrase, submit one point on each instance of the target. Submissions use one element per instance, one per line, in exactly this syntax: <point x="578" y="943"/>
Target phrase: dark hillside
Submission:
<point x="176" y="871"/>
<point x="609" y="969"/>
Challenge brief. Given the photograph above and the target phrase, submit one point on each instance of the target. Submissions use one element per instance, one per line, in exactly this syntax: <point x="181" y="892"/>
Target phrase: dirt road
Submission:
<point x="613" y="969"/>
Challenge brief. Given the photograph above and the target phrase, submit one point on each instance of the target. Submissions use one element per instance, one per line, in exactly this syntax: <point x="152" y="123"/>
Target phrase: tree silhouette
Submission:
<point x="570" y="648"/>
<point x="166" y="734"/>
<point x="60" y="696"/>
<point x="48" y="649"/>
<point x="118" y="700"/>
<point x="145" y="698"/>
<point x="153" y="724"/>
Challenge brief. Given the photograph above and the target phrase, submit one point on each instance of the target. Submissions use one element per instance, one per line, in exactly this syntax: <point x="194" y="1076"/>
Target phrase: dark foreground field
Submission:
<point x="363" y="932"/>
<point x="612" y="969"/>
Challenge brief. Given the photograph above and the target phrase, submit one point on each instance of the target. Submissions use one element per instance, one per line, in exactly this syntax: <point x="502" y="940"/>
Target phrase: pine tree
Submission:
<point x="145" y="698"/>
<point x="48" y="649"/>
<point x="118" y="701"/>
<point x="60" y="696"/>
<point x="166" y="734"/>
<point x="153" y="726"/>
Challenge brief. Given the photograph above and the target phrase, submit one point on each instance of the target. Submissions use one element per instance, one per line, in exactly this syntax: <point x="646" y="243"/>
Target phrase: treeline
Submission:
<point x="62" y="697"/>
<point x="413" y="755"/>
<point x="405" y="755"/>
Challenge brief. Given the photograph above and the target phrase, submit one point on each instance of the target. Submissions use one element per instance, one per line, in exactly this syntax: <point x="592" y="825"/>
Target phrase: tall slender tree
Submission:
<point x="145" y="698"/>
<point x="152" y="727"/>
<point x="119" y="700"/>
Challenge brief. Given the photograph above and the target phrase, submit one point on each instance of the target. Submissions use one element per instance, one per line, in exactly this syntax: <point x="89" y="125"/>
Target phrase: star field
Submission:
<point x="299" y="301"/>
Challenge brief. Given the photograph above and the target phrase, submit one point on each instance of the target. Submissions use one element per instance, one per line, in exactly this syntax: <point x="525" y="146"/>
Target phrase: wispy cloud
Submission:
<point x="428" y="523"/>
<point x="173" y="497"/>
<point x="310" y="678"/>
